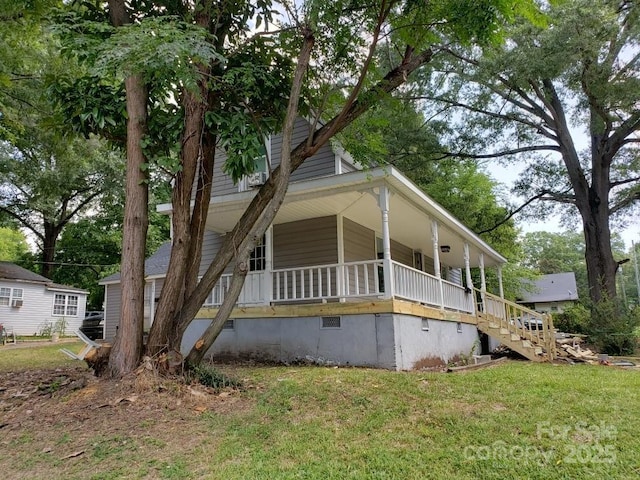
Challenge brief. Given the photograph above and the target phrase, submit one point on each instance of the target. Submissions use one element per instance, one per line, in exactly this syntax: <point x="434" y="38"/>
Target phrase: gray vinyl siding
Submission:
<point x="401" y="253"/>
<point x="427" y="264"/>
<point x="36" y="311"/>
<point x="222" y="183"/>
<point x="112" y="299"/>
<point x="305" y="243"/>
<point x="359" y="242"/>
<point x="211" y="244"/>
<point x="321" y="164"/>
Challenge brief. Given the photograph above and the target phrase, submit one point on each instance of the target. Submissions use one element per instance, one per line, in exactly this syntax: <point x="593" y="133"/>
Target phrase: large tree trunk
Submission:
<point x="281" y="184"/>
<point x="49" y="240"/>
<point x="594" y="209"/>
<point x="195" y="104"/>
<point x="261" y="201"/>
<point x="591" y="200"/>
<point x="127" y="347"/>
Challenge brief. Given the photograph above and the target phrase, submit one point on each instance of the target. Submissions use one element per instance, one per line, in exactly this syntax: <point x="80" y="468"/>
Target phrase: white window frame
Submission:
<point x="242" y="184"/>
<point x="14" y="294"/>
<point x="5" y="293"/>
<point x="258" y="258"/>
<point x="67" y="305"/>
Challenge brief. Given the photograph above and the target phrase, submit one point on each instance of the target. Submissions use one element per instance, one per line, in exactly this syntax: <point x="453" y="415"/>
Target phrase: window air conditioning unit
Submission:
<point x="256" y="179"/>
<point x="16" y="302"/>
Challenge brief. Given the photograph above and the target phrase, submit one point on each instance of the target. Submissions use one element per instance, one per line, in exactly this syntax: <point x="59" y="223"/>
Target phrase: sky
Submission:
<point x="507" y="177"/>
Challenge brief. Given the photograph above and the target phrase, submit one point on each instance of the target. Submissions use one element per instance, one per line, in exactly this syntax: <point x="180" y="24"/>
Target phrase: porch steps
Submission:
<point x="525" y="347"/>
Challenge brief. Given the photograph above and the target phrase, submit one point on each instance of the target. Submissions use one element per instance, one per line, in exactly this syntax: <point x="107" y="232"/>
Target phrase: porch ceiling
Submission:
<point x="354" y="195"/>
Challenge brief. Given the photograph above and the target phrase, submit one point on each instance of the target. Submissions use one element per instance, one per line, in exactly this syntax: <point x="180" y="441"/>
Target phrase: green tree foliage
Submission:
<point x="13" y="244"/>
<point x="83" y="267"/>
<point x="397" y="134"/>
<point x="218" y="81"/>
<point x="47" y="174"/>
<point x="572" y="76"/>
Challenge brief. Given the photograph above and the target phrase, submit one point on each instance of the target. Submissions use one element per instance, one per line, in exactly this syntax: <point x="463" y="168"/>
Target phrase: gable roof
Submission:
<point x="11" y="271"/>
<point x="555" y="287"/>
<point x="154" y="266"/>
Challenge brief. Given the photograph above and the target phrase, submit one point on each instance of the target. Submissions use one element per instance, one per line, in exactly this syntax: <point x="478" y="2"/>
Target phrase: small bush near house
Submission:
<point x="574" y="319"/>
<point x="613" y="328"/>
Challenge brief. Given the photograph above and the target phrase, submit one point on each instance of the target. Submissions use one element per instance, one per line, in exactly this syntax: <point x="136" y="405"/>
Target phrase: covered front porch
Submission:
<point x="359" y="236"/>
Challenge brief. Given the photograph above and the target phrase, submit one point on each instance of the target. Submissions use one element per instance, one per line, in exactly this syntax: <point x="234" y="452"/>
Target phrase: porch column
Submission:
<point x="436" y="259"/>
<point x="483" y="282"/>
<point x="467" y="266"/>
<point x="268" y="265"/>
<point x="500" y="286"/>
<point x="383" y="202"/>
<point x="340" y="270"/>
<point x="469" y="280"/>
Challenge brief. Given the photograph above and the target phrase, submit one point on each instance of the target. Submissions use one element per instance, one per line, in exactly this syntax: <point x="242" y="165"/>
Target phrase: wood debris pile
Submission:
<point x="568" y="347"/>
<point x="577" y="353"/>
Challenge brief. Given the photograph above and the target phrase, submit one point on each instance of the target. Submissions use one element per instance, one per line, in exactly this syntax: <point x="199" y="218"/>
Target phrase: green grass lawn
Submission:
<point x="32" y="355"/>
<point x="518" y="420"/>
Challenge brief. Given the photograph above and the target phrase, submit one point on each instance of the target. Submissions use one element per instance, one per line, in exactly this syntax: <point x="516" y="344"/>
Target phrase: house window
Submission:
<point x="5" y="296"/>
<point x="257" y="259"/>
<point x="260" y="170"/>
<point x="65" y="305"/>
<point x="417" y="261"/>
<point x="8" y="295"/>
<point x="331" y="322"/>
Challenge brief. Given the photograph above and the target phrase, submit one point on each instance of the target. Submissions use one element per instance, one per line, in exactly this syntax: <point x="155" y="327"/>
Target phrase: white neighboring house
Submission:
<point x="29" y="302"/>
<point x="551" y="293"/>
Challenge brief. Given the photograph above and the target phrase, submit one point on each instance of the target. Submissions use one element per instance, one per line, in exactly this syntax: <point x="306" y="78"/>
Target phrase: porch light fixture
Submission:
<point x="445" y="248"/>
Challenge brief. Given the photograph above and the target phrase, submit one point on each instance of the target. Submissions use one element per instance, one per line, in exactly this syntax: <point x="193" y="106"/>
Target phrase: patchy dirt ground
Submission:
<point x="62" y="416"/>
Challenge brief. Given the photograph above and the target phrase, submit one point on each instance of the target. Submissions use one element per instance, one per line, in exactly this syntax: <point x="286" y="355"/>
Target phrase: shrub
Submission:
<point x="613" y="327"/>
<point x="210" y="377"/>
<point x="574" y="319"/>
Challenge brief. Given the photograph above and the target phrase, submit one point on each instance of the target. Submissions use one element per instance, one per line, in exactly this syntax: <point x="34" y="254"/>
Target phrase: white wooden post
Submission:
<point x="340" y="277"/>
<point x="483" y="283"/>
<point x="500" y="286"/>
<point x="383" y="202"/>
<point x="436" y="259"/>
<point x="469" y="280"/>
<point x="467" y="266"/>
<point x="268" y="265"/>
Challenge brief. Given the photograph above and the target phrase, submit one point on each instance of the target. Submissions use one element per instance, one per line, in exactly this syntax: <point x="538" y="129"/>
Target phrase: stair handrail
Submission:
<point x="518" y="320"/>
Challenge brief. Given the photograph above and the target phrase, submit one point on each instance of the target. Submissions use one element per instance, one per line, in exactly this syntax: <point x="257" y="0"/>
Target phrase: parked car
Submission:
<point x="93" y="325"/>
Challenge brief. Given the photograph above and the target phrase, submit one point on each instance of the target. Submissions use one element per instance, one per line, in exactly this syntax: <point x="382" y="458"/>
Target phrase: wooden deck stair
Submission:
<point x="525" y="331"/>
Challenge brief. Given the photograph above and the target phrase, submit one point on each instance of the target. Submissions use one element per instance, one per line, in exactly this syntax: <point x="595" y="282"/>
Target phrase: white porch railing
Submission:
<point x="253" y="292"/>
<point x="417" y="286"/>
<point x="346" y="280"/>
<point x="343" y="281"/>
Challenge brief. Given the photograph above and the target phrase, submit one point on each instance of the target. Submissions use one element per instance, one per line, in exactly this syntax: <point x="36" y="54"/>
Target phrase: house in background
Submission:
<point x="551" y="293"/>
<point x="30" y="303"/>
<point x="358" y="267"/>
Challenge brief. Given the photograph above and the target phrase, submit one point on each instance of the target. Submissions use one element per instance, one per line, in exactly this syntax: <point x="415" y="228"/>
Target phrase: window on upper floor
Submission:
<point x="260" y="171"/>
<point x="65" y="305"/>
